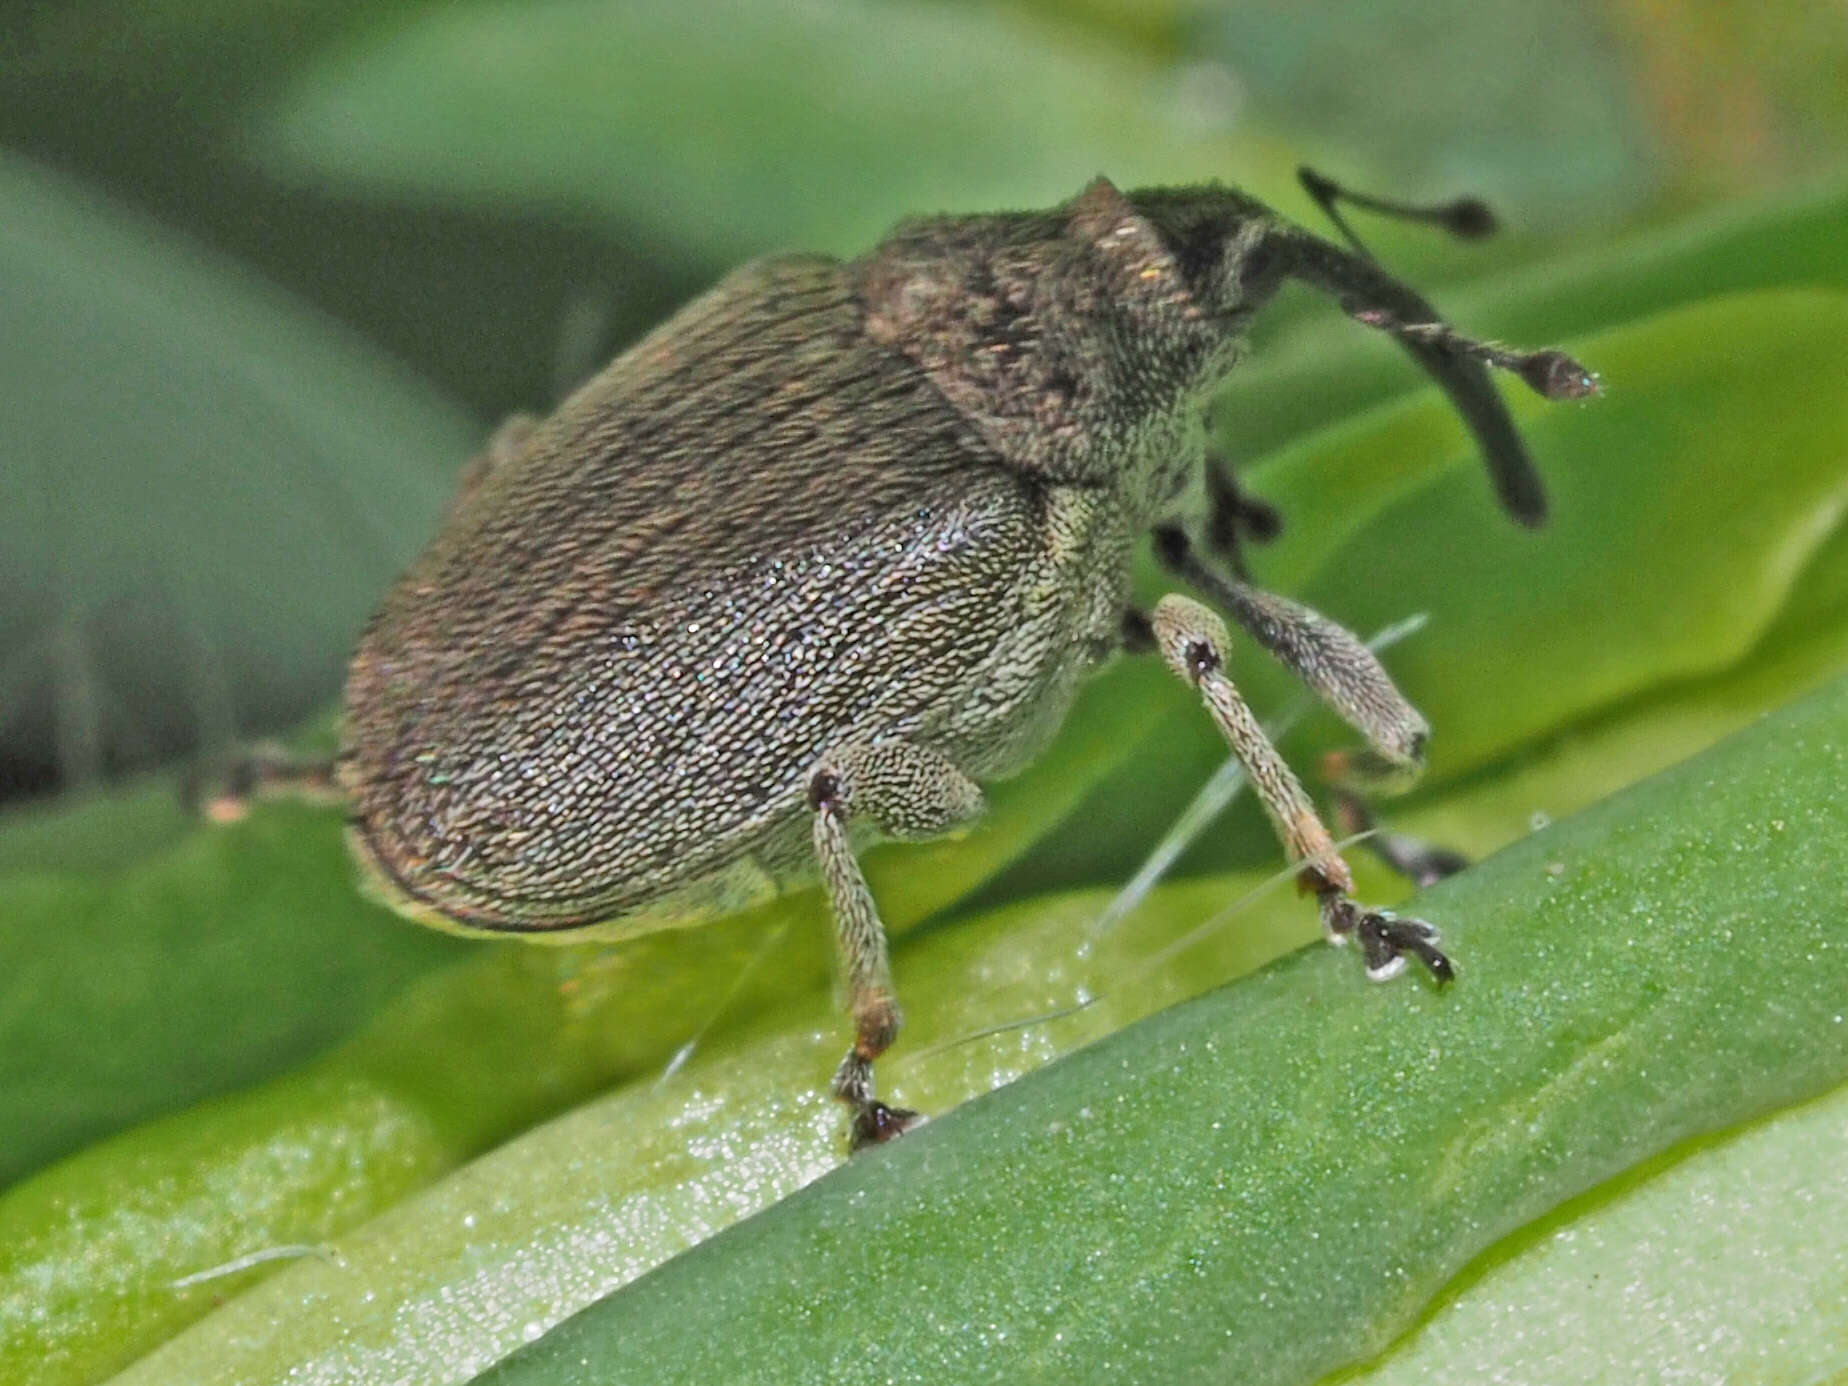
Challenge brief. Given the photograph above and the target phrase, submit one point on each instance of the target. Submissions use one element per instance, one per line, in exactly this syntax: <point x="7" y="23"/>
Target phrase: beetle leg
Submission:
<point x="1138" y="631"/>
<point x="1334" y="662"/>
<point x="1192" y="640"/>
<point x="223" y="791"/>
<point x="907" y="792"/>
<point x="1234" y="517"/>
<point x="1420" y="862"/>
<point x="1350" y="679"/>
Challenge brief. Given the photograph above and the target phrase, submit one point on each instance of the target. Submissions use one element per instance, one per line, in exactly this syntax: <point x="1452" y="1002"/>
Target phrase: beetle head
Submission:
<point x="1064" y="336"/>
<point x="1218" y="244"/>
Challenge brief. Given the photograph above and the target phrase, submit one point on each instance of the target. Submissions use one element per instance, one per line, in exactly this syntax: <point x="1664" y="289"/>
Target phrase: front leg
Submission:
<point x="1233" y="516"/>
<point x="1330" y="659"/>
<point x="911" y="793"/>
<point x="1192" y="641"/>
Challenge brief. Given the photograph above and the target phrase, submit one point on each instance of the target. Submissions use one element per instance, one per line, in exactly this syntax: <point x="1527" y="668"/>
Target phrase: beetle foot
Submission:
<point x="874" y="1123"/>
<point x="1385" y="938"/>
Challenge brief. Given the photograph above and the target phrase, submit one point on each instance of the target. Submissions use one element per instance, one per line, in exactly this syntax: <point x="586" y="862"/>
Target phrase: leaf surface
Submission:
<point x="1274" y="1179"/>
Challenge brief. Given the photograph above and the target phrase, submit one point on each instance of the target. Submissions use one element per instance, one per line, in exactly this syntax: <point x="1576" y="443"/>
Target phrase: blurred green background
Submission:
<point x="206" y="482"/>
<point x="270" y="270"/>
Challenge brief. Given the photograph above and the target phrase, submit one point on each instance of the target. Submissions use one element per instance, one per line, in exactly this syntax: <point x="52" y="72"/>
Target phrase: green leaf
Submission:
<point x="922" y="108"/>
<point x="477" y="1053"/>
<point x="741" y="1126"/>
<point x="206" y="485"/>
<point x="1694" y="1268"/>
<point x="255" y="932"/>
<point x="1271" y="1181"/>
<point x="224" y="959"/>
<point x="86" y="1275"/>
<point x="601" y="1195"/>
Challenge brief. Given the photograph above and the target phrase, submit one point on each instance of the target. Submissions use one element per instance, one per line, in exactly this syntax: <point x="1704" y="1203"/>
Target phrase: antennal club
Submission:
<point x="1467" y="218"/>
<point x="1549" y="373"/>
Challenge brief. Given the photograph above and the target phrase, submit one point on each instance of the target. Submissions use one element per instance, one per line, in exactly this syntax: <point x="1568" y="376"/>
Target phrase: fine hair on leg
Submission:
<point x="1339" y="667"/>
<point x="1331" y="660"/>
<point x="906" y="791"/>
<point x="1192" y="640"/>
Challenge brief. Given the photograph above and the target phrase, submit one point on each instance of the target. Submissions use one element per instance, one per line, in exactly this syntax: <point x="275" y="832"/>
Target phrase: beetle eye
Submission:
<point x="1260" y="270"/>
<point x="1194" y="233"/>
<point x="1197" y="248"/>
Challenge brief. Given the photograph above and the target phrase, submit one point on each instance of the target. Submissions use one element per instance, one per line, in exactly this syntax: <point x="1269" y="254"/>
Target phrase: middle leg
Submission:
<point x="911" y="793"/>
<point x="1192" y="640"/>
<point x="1233" y="516"/>
<point x="1348" y="677"/>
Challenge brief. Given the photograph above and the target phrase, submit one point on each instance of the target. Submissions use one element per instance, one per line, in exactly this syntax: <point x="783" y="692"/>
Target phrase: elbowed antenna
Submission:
<point x="1457" y="363"/>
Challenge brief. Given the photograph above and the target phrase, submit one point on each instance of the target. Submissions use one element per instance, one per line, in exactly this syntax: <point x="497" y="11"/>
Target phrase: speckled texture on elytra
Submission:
<point x="825" y="505"/>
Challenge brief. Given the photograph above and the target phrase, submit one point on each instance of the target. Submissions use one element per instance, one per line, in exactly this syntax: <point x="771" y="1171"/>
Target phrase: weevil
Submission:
<point x="838" y="542"/>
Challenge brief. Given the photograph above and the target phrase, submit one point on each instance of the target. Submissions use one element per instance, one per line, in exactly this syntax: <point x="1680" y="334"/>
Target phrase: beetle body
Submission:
<point x="830" y="545"/>
<point x="768" y="529"/>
